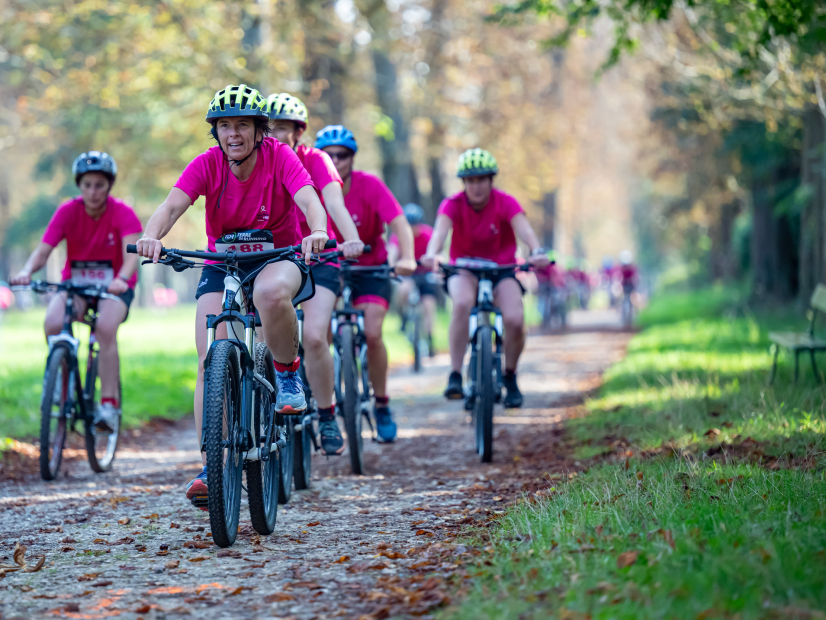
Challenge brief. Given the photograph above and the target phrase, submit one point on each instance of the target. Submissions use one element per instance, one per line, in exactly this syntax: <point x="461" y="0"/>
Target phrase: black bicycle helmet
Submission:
<point x="94" y="161"/>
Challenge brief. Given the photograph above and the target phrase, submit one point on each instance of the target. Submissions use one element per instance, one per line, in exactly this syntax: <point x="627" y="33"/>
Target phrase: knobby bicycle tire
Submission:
<point x="485" y="393"/>
<point x="222" y="391"/>
<point x="263" y="477"/>
<point x="352" y="404"/>
<point x="99" y="463"/>
<point x="58" y="367"/>
<point x="417" y="345"/>
<point x="303" y="441"/>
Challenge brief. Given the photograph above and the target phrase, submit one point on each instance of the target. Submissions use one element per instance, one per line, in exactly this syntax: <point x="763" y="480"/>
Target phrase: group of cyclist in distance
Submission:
<point x="259" y="177"/>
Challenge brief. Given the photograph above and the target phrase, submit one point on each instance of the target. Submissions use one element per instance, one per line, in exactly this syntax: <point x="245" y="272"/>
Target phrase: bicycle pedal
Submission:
<point x="200" y="501"/>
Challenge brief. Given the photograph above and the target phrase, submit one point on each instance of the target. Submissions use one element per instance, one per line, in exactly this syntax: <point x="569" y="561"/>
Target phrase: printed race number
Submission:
<point x="86" y="273"/>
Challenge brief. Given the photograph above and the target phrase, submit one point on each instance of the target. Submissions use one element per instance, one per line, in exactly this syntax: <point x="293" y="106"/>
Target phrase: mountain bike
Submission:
<point x="413" y="322"/>
<point x="241" y="429"/>
<point x="352" y="386"/>
<point x="627" y="308"/>
<point x="303" y="438"/>
<point x="66" y="399"/>
<point x="484" y="373"/>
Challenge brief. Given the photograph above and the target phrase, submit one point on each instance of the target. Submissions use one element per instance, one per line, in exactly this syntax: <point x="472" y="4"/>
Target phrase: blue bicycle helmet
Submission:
<point x="94" y="161"/>
<point x="336" y="135"/>
<point x="414" y="213"/>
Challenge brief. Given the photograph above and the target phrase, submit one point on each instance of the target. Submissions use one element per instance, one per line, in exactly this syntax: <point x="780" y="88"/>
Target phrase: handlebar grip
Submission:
<point x="367" y="249"/>
<point x="131" y="249"/>
<point x="331" y="244"/>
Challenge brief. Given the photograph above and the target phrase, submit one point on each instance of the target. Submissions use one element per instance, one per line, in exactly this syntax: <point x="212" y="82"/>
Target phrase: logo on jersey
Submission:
<point x="111" y="238"/>
<point x="228" y="238"/>
<point x="494" y="229"/>
<point x="263" y="216"/>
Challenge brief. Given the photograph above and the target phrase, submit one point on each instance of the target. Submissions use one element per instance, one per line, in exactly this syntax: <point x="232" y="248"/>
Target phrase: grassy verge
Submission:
<point x="703" y="494"/>
<point x="158" y="364"/>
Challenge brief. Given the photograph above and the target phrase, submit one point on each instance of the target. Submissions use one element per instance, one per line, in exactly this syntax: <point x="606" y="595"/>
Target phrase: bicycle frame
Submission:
<point x="481" y="315"/>
<point x="349" y="316"/>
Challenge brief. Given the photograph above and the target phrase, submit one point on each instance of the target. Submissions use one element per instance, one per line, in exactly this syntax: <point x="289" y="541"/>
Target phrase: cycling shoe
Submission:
<point x="385" y="425"/>
<point x="454" y="386"/>
<point x="514" y="397"/>
<point x="331" y="440"/>
<point x="290" y="397"/>
<point x="106" y="417"/>
<point x="196" y="491"/>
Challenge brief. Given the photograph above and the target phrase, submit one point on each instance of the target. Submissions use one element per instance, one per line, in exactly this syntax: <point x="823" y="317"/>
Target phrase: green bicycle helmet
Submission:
<point x="476" y="163"/>
<point x="284" y="106"/>
<point x="238" y="101"/>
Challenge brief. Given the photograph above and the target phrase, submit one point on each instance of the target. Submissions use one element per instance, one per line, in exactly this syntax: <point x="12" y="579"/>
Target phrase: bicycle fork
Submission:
<point x="498" y="329"/>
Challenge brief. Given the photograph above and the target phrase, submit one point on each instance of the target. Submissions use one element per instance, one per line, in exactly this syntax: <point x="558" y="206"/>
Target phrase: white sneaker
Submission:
<point x="107" y="417"/>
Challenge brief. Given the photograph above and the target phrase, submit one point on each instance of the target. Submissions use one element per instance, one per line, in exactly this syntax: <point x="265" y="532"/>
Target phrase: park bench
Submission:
<point x="798" y="343"/>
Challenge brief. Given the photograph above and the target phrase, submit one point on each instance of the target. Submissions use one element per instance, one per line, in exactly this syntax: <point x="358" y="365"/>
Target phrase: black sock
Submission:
<point x="325" y="414"/>
<point x="509" y="373"/>
<point x="382" y="401"/>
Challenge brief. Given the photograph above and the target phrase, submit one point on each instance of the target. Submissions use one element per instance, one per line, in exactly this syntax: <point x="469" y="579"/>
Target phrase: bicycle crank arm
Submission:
<point x="255" y="453"/>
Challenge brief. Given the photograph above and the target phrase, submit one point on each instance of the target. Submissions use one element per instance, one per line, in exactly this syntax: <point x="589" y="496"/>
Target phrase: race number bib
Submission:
<point x="245" y="241"/>
<point x="92" y="272"/>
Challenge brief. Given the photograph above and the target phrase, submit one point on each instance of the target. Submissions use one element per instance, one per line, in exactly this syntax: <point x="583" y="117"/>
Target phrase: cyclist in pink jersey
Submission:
<point x="372" y="206"/>
<point x="423" y="279"/>
<point x="97" y="228"/>
<point x="251" y="184"/>
<point x="288" y="120"/>
<point x="485" y="223"/>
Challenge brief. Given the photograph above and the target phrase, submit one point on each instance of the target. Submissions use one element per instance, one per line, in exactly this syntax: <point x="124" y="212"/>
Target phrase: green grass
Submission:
<point x="745" y="508"/>
<point x="158" y="364"/>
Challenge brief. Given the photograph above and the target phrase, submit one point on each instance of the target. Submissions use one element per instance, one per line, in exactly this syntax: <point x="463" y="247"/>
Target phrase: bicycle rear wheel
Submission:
<point x="352" y="410"/>
<point x="100" y="445"/>
<point x="222" y="423"/>
<point x="417" y="344"/>
<point x="484" y="393"/>
<point x="303" y="438"/>
<point x="264" y="477"/>
<point x="53" y="422"/>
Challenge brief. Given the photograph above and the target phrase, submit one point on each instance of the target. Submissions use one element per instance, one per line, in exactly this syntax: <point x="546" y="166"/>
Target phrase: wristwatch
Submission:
<point x="538" y="251"/>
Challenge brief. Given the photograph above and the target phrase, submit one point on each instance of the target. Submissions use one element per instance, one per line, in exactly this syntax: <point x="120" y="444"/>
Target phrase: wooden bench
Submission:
<point x="801" y="342"/>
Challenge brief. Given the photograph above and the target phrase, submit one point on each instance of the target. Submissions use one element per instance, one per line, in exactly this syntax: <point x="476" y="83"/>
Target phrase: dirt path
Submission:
<point x="127" y="544"/>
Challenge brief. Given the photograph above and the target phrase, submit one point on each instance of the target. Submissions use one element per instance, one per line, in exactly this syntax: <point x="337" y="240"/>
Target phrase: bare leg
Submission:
<point x="428" y="312"/>
<point x="508" y="297"/>
<point x="111" y="314"/>
<point x="462" y="290"/>
<point x="208" y="303"/>
<point x="318" y="361"/>
<point x="376" y="351"/>
<point x="273" y="295"/>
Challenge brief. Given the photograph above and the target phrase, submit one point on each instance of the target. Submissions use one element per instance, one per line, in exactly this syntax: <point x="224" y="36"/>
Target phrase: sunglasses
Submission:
<point x="340" y="156"/>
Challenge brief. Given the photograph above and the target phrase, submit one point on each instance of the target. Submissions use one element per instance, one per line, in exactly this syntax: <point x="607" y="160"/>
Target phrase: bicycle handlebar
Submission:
<point x="237" y="256"/>
<point x="497" y="268"/>
<point x="84" y="290"/>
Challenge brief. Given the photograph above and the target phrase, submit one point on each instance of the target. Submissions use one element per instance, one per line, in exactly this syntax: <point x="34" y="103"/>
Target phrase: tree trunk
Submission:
<point x="812" y="217"/>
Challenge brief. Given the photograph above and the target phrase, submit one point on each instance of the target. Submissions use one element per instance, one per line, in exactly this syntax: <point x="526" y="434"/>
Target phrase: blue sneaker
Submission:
<point x="290" y="397"/>
<point x="196" y="490"/>
<point x="331" y="440"/>
<point x="385" y="425"/>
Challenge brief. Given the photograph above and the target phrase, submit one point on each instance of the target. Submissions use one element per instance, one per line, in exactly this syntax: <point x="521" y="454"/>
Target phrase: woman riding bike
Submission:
<point x="250" y="182"/>
<point x="485" y="222"/>
<point x="371" y="205"/>
<point x="97" y="228"/>
<point x="423" y="278"/>
<point x="288" y="120"/>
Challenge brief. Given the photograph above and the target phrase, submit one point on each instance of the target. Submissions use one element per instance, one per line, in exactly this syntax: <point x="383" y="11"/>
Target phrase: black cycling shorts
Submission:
<point x="212" y="280"/>
<point x="424" y="284"/>
<point x="371" y="289"/>
<point x="327" y="276"/>
<point x="495" y="279"/>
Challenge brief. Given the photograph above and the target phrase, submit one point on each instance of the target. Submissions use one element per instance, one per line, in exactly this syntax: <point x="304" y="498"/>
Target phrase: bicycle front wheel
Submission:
<point x="53" y="422"/>
<point x="264" y="477"/>
<point x="352" y="409"/>
<point x="222" y="425"/>
<point x="485" y="380"/>
<point x="417" y="342"/>
<point x="303" y="438"/>
<point x="100" y="444"/>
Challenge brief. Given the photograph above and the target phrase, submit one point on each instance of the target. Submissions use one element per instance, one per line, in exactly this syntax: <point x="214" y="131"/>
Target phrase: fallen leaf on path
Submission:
<point x="71" y="607"/>
<point x="419" y="522"/>
<point x="20" y="563"/>
<point x="143" y="609"/>
<point x="172" y="564"/>
<point x="67" y="548"/>
<point x="627" y="558"/>
<point x="424" y="533"/>
<point x="712" y="432"/>
<point x="310" y="585"/>
<point x="89" y="576"/>
<point x="25" y="588"/>
<point x="154" y="515"/>
<point x="197" y="544"/>
<point x="313" y="524"/>
<point x="125" y="521"/>
<point x="200" y="559"/>
<point x="68" y="540"/>
<point x="162" y="552"/>
<point x="101" y="584"/>
<point x="229" y="553"/>
<point x="342" y="559"/>
<point x="278" y="597"/>
<point x="57" y="529"/>
<point x="173" y="526"/>
<point x="359" y="567"/>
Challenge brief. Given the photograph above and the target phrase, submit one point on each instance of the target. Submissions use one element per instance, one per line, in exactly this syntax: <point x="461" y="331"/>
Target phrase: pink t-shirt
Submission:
<point x="323" y="172"/>
<point x="483" y="234"/>
<point x="93" y="240"/>
<point x="421" y="237"/>
<point x="372" y="205"/>
<point x="264" y="201"/>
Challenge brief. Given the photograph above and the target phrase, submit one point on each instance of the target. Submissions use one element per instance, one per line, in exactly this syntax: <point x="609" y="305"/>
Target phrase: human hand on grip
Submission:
<point x="539" y="260"/>
<point x="313" y="244"/>
<point x="149" y="248"/>
<point x="405" y="267"/>
<point x="352" y="249"/>
<point x="23" y="278"/>
<point x="431" y="261"/>
<point x="117" y="287"/>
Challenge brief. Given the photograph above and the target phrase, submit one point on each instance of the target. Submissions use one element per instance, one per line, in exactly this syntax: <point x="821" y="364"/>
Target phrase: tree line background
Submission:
<point x="689" y="132"/>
